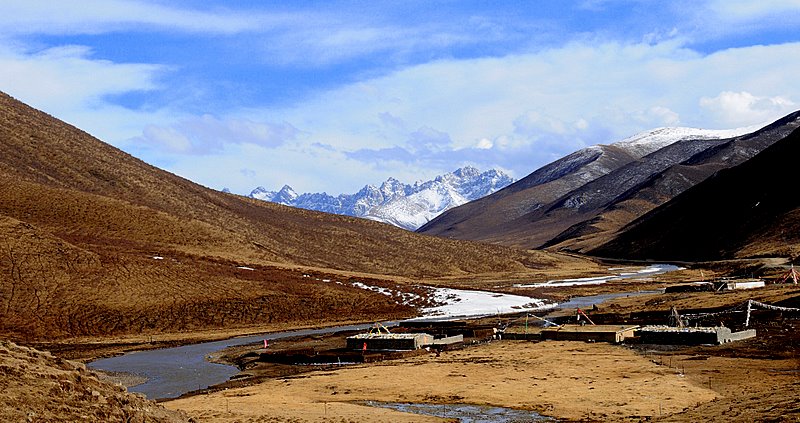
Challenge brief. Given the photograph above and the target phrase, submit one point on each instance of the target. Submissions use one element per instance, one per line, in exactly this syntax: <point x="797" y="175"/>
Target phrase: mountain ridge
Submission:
<point x="408" y="206"/>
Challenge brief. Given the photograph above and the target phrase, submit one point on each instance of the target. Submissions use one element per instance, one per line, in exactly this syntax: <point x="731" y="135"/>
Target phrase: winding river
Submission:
<point x="171" y="372"/>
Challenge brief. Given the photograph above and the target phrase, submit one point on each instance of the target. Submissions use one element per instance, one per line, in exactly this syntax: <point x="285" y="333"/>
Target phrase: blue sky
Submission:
<point x="330" y="96"/>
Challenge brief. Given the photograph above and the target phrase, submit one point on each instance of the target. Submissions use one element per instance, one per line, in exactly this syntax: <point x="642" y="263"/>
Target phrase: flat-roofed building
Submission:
<point x="389" y="341"/>
<point x="590" y="333"/>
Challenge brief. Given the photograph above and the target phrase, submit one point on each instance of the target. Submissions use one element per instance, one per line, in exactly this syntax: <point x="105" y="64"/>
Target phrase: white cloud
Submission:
<point x="520" y="111"/>
<point x="98" y="16"/>
<point x="515" y="112"/>
<point x="657" y="116"/>
<point x="717" y="19"/>
<point x="67" y="77"/>
<point x="751" y="11"/>
<point x="622" y="87"/>
<point x="484" y="144"/>
<point x="69" y="83"/>
<point x="168" y="139"/>
<point x="742" y="108"/>
<point x="304" y="36"/>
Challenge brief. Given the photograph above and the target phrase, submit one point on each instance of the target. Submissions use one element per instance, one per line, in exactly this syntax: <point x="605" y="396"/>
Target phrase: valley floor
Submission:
<point x="753" y="380"/>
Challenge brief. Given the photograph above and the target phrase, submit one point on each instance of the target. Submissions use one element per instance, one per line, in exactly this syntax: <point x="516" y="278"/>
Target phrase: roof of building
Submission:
<point x="658" y="328"/>
<point x="388" y="335"/>
<point x="593" y="328"/>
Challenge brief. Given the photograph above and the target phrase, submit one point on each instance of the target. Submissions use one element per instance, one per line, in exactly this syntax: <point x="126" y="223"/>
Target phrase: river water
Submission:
<point x="465" y="413"/>
<point x="171" y="372"/>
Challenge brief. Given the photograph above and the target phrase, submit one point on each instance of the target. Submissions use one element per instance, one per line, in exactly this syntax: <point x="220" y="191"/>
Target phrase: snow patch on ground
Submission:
<point x="378" y="289"/>
<point x="458" y="303"/>
<point x="596" y="280"/>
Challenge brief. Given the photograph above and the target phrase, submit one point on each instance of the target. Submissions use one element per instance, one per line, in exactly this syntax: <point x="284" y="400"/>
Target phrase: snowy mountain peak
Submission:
<point x="403" y="205"/>
<point x="469" y="172"/>
<point x="285" y="196"/>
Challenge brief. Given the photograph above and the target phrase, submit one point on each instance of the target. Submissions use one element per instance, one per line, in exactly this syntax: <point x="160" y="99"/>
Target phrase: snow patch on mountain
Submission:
<point x="647" y="142"/>
<point x="397" y="203"/>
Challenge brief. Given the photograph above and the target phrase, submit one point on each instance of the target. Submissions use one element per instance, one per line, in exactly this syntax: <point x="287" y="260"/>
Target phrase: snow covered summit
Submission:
<point x="397" y="203"/>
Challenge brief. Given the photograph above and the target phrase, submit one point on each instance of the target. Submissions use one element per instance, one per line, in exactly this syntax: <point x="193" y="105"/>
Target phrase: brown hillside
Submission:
<point x="41" y="156"/>
<point x="96" y="242"/>
<point x="580" y="201"/>
<point x="661" y="187"/>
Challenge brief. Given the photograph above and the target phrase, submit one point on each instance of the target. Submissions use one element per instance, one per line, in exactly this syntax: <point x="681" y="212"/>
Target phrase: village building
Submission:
<point x="590" y="333"/>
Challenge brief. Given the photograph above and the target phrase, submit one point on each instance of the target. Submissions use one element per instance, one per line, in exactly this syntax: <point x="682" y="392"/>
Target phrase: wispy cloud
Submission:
<point x="99" y="16"/>
<point x="754" y="11"/>
<point x="68" y="76"/>
<point x="718" y="19"/>
<point x="208" y="135"/>
<point x="520" y="111"/>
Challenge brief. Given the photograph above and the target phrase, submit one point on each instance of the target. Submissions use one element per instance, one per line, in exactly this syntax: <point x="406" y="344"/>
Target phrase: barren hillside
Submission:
<point x="96" y="242"/>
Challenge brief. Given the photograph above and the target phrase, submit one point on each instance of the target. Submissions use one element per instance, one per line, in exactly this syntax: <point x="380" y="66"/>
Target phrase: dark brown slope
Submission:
<point x="622" y="196"/>
<point x="746" y="211"/>
<point x="501" y="217"/>
<point x="96" y="242"/>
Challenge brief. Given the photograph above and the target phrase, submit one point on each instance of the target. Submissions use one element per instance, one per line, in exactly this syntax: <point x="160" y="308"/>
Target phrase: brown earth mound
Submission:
<point x="39" y="387"/>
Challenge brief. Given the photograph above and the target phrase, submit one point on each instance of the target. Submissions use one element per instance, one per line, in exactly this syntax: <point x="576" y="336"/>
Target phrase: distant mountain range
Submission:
<point x="404" y="205"/>
<point x="583" y="200"/>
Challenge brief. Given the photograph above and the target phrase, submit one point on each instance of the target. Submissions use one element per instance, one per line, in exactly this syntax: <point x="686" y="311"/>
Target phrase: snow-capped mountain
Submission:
<point x="403" y="205"/>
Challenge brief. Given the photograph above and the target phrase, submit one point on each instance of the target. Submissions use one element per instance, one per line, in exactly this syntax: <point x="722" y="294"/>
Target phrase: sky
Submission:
<point x="333" y="95"/>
